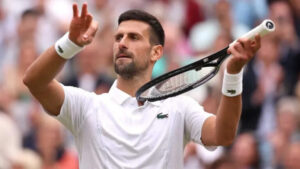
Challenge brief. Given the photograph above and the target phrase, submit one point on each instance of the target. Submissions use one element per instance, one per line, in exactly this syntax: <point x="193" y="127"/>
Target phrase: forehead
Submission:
<point x="133" y="26"/>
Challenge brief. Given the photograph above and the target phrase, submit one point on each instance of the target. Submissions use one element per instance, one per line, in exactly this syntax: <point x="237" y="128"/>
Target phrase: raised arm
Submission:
<point x="39" y="77"/>
<point x="221" y="129"/>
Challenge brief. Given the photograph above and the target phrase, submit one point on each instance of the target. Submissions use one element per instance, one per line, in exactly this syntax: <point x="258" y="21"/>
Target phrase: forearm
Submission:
<point x="39" y="77"/>
<point x="227" y="119"/>
<point x="230" y="108"/>
<point x="44" y="69"/>
<point x="221" y="130"/>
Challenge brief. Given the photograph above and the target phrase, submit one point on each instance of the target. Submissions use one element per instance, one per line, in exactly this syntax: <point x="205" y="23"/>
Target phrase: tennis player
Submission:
<point x="113" y="130"/>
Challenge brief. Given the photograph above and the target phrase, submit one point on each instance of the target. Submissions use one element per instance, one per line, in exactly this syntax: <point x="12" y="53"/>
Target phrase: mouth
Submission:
<point x="123" y="55"/>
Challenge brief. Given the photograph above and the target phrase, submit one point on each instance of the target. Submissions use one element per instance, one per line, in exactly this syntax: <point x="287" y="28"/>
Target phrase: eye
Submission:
<point x="133" y="36"/>
<point x="118" y="37"/>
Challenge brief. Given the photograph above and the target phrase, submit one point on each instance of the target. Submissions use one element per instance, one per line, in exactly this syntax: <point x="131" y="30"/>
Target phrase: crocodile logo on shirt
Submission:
<point x="60" y="49"/>
<point x="162" y="116"/>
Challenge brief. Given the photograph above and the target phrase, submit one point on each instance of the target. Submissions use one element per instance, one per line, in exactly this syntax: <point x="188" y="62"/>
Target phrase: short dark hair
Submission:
<point x="156" y="29"/>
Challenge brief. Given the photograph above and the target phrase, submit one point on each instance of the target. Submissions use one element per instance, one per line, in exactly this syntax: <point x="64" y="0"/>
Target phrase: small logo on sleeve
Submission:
<point x="231" y="91"/>
<point x="162" y="116"/>
<point x="60" y="49"/>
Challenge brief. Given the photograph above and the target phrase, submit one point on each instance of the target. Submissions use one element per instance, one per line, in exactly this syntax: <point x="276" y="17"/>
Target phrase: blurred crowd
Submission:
<point x="269" y="131"/>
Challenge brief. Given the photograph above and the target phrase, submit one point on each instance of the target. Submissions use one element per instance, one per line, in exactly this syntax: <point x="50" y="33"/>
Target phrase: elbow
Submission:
<point x="27" y="80"/>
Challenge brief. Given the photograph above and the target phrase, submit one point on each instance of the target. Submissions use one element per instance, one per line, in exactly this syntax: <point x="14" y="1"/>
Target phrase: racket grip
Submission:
<point x="263" y="29"/>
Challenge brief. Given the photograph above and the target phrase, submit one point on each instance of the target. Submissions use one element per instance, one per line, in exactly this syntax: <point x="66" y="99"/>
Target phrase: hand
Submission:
<point x="83" y="28"/>
<point x="242" y="52"/>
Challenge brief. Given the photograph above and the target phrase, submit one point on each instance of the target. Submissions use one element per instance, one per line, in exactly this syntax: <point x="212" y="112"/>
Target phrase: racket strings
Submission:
<point x="177" y="83"/>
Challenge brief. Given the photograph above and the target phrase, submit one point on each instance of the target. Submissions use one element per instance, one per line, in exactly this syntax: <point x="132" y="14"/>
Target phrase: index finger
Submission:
<point x="257" y="39"/>
<point x="84" y="10"/>
<point x="75" y="10"/>
<point x="257" y="42"/>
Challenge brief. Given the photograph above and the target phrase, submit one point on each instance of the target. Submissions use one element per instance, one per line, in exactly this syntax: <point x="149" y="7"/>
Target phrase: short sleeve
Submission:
<point x="194" y="118"/>
<point x="74" y="108"/>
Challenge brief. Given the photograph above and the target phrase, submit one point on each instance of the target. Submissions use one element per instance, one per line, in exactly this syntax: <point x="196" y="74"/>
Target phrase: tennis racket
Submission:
<point x="195" y="74"/>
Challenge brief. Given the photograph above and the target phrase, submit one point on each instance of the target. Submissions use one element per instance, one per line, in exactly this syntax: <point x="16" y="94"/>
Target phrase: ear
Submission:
<point x="156" y="52"/>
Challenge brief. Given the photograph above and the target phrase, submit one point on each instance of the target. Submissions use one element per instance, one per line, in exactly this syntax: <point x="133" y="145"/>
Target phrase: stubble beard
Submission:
<point x="127" y="71"/>
<point x="130" y="70"/>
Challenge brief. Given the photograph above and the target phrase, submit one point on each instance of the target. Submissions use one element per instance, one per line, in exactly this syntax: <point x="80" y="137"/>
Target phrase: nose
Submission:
<point x="123" y="43"/>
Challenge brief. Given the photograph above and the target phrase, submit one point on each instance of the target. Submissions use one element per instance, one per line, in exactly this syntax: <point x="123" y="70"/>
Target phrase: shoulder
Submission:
<point x="77" y="91"/>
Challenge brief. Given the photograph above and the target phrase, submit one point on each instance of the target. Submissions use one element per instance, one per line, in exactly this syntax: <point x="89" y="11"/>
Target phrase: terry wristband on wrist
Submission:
<point x="232" y="84"/>
<point x="66" y="48"/>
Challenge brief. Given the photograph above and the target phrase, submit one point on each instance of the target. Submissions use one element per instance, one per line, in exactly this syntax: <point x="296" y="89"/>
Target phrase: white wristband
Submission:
<point x="66" y="48"/>
<point x="232" y="84"/>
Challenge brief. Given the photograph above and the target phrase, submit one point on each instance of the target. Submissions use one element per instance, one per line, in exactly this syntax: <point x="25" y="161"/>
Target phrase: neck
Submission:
<point x="130" y="86"/>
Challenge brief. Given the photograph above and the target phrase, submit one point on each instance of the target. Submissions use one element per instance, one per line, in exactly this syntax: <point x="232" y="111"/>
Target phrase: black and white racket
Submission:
<point x="195" y="74"/>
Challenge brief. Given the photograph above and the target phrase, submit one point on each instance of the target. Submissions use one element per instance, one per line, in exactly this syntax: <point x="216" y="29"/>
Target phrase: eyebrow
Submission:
<point x="129" y="33"/>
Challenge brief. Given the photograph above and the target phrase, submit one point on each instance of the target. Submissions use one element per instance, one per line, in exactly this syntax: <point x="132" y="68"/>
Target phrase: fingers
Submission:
<point x="256" y="43"/>
<point x="239" y="46"/>
<point x="88" y="20"/>
<point x="91" y="32"/>
<point x="75" y="10"/>
<point x="84" y="11"/>
<point x="84" y="28"/>
<point x="247" y="46"/>
<point x="242" y="51"/>
<point x="234" y="50"/>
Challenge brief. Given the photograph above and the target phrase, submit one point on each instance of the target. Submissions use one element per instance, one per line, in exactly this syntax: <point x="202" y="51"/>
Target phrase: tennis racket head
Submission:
<point x="182" y="80"/>
<point x="191" y="76"/>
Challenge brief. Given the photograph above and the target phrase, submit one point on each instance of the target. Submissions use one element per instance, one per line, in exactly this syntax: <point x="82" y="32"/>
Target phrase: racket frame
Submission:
<point x="213" y="60"/>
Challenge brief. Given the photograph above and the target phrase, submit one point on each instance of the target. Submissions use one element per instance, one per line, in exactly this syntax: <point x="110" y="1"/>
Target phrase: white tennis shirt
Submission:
<point x="112" y="132"/>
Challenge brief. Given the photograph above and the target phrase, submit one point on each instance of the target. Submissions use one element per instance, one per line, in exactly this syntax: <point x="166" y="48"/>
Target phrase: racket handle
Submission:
<point x="263" y="29"/>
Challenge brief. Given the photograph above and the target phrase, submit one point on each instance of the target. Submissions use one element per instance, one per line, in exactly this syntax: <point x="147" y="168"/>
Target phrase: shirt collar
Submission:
<point x="120" y="96"/>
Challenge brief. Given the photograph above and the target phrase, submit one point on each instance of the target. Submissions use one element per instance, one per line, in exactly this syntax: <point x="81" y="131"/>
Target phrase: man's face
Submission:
<point x="132" y="48"/>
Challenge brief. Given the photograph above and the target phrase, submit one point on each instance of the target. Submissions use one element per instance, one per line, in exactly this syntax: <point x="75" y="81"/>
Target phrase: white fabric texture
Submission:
<point x="66" y="48"/>
<point x="111" y="131"/>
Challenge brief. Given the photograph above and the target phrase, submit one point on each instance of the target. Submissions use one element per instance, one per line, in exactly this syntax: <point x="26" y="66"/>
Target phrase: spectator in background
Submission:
<point x="197" y="157"/>
<point x="20" y="99"/>
<point x="86" y="76"/>
<point x="104" y="10"/>
<point x="175" y="52"/>
<point x="27" y="53"/>
<point x="296" y="13"/>
<point x="225" y="162"/>
<point x="249" y="12"/>
<point x="204" y="34"/>
<point x="10" y="141"/>
<point x="245" y="153"/>
<point x="292" y="156"/>
<point x="194" y="14"/>
<point x="7" y="29"/>
<point x="53" y="19"/>
<point x="21" y="28"/>
<point x="262" y="78"/>
<point x="191" y="158"/>
<point x="26" y="29"/>
<point x="273" y="146"/>
<point x="15" y="98"/>
<point x="50" y="145"/>
<point x="27" y="159"/>
<point x="93" y="68"/>
<point x="281" y="14"/>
